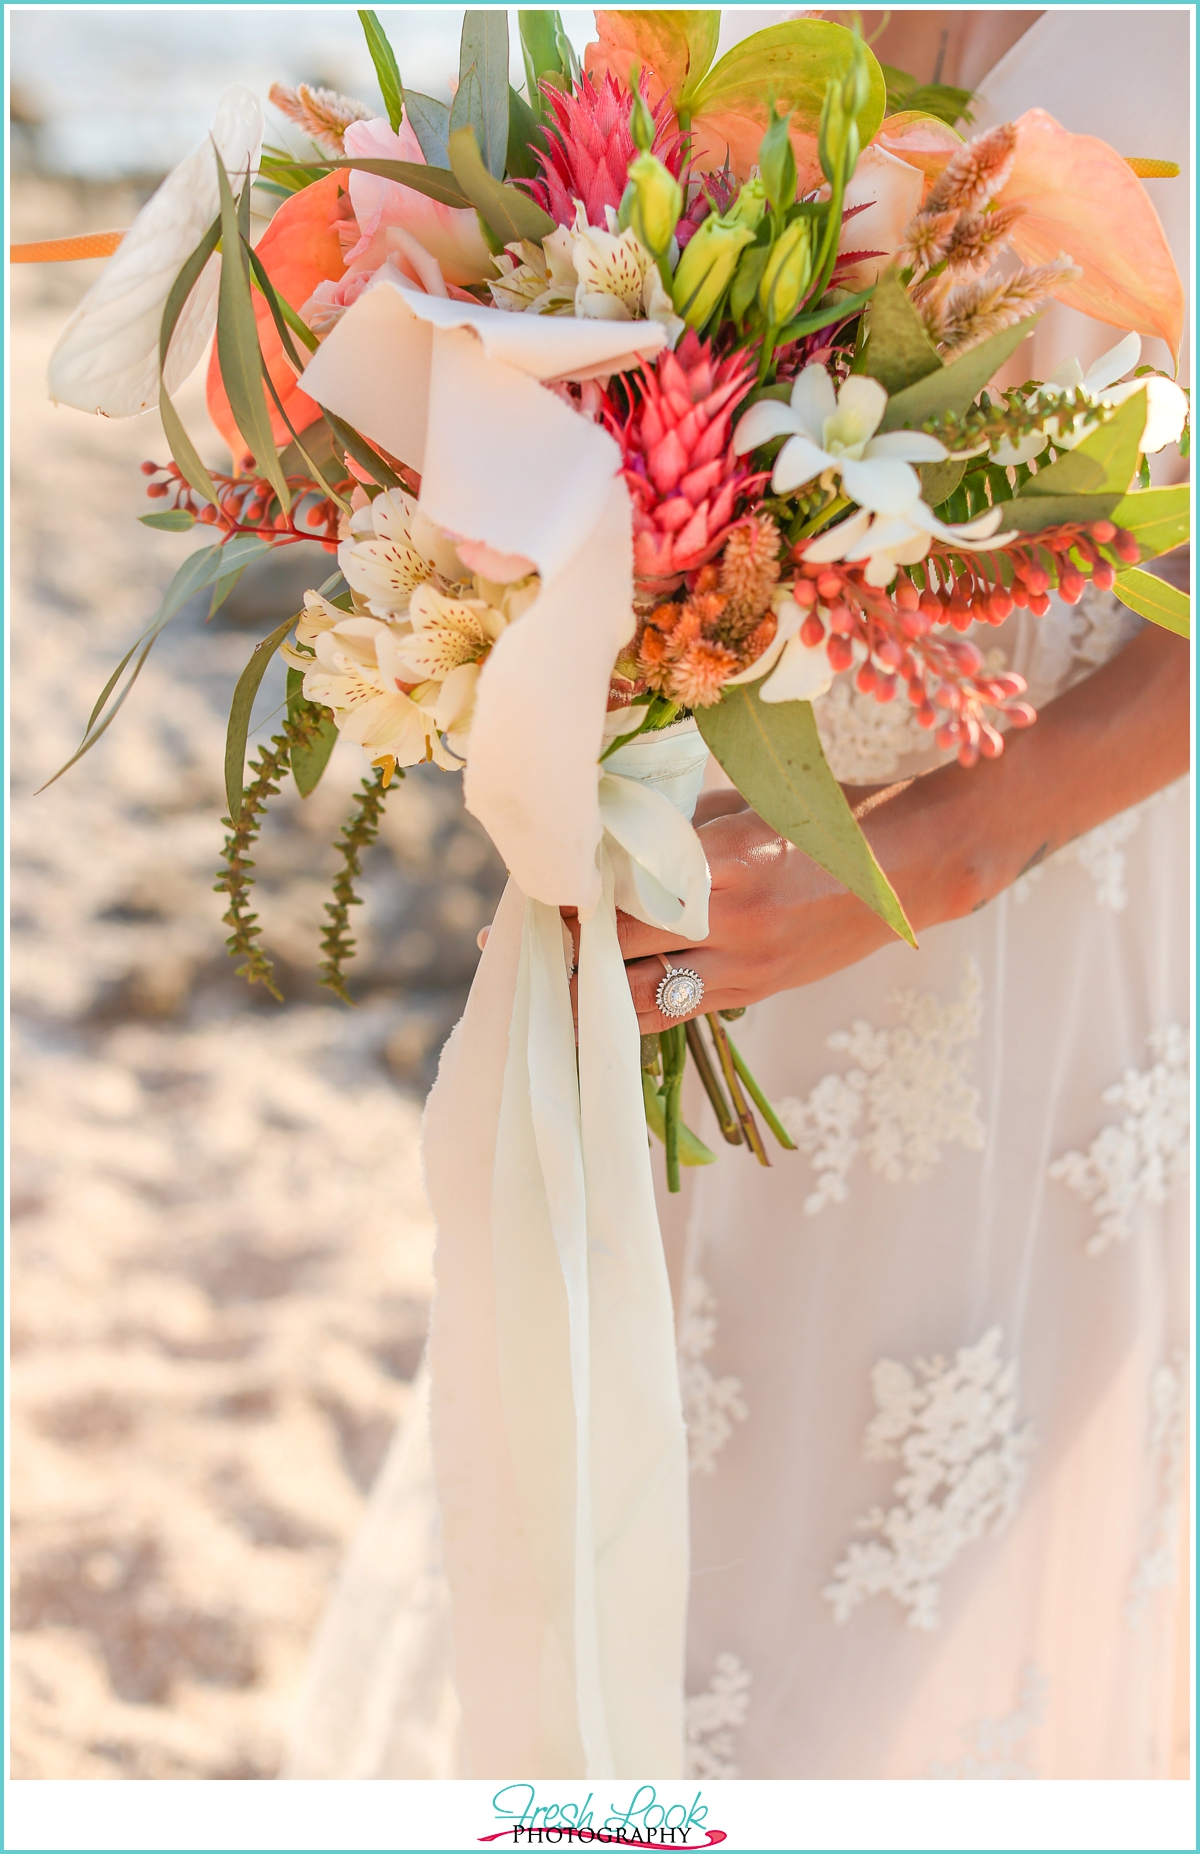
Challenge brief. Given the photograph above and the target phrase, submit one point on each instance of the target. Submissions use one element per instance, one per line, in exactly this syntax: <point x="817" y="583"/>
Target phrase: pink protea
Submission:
<point x="589" y="149"/>
<point x="684" y="480"/>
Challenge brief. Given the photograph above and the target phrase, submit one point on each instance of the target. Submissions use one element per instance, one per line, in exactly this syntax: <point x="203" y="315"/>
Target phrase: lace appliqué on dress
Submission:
<point x="713" y="1719"/>
<point x="1158" y="1562"/>
<point x="1135" y="1162"/>
<point x="906" y="1097"/>
<point x="1099" y="854"/>
<point x="711" y="1405"/>
<point x="865" y="740"/>
<point x="996" y="1747"/>
<point x="953" y="1425"/>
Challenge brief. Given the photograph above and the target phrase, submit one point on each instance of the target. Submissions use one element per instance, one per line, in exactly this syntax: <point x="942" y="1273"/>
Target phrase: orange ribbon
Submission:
<point x="57" y="250"/>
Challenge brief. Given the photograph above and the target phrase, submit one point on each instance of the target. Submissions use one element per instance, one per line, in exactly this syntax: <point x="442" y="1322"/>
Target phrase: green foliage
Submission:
<point x="691" y="1149"/>
<point x="947" y="102"/>
<point x="280" y="172"/>
<point x="386" y="69"/>
<point x="337" y="943"/>
<point x="234" y="878"/>
<point x="363" y="453"/>
<point x="436" y="183"/>
<point x="1154" y="599"/>
<point x="237" y="339"/>
<point x="547" y="53"/>
<point x="1159" y="519"/>
<point x="429" y="120"/>
<point x="1103" y="461"/>
<point x="173" y="521"/>
<point x="506" y="212"/>
<point x="481" y="100"/>
<point x="953" y="387"/>
<point x="773" y="754"/>
<point x="182" y="449"/>
<point x="309" y="761"/>
<point x="239" y="714"/>
<point x="200" y="570"/>
<point x="898" y="351"/>
<point x="524" y="139"/>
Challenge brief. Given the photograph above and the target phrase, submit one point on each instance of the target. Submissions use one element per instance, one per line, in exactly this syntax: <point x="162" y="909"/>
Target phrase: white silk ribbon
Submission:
<point x="559" y="1444"/>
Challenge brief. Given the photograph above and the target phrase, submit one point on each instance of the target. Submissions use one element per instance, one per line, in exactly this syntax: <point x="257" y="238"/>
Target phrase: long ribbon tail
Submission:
<point x="60" y="250"/>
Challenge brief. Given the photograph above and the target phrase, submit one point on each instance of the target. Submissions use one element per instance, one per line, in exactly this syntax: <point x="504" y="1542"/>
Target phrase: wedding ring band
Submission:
<point x="680" y="991"/>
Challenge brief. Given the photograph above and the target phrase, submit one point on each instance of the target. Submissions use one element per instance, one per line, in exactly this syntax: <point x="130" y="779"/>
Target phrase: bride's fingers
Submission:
<point x="638" y="940"/>
<point x="481" y="938"/>
<point x="646" y="975"/>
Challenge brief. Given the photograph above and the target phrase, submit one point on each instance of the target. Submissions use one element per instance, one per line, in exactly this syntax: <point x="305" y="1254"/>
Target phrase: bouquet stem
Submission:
<point x="664" y="1059"/>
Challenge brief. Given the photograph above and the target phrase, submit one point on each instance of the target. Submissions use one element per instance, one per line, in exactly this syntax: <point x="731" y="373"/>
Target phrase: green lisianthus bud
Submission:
<point x="707" y="265"/>
<point x="777" y="163"/>
<point x="652" y="203"/>
<point x="750" y="205"/>
<point x="787" y="274"/>
<point x="641" y="122"/>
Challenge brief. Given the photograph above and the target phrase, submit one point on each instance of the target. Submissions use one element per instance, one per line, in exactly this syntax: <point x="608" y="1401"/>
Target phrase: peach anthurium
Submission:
<point x="1082" y="197"/>
<point x="299" y="249"/>
<point x="726" y="105"/>
<point x="1079" y="196"/>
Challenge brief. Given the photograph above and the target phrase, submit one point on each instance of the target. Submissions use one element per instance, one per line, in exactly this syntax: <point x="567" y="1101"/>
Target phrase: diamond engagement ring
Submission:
<point x="680" y="991"/>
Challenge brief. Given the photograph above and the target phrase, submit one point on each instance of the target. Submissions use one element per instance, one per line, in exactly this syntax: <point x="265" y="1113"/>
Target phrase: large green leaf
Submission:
<point x="939" y="480"/>
<point x="508" y="213"/>
<point x="1154" y="599"/>
<point x="547" y="53"/>
<point x="773" y="754"/>
<point x="239" y="714"/>
<point x="182" y="449"/>
<point x="484" y="49"/>
<point x="1160" y="519"/>
<point x="357" y="447"/>
<point x="791" y="62"/>
<point x="957" y="385"/>
<point x="237" y="339"/>
<point x="1029" y="513"/>
<point x="1105" y="460"/>
<point x="524" y="139"/>
<point x="387" y="71"/>
<point x="436" y="183"/>
<point x="899" y="351"/>
<point x="204" y="568"/>
<point x="308" y="763"/>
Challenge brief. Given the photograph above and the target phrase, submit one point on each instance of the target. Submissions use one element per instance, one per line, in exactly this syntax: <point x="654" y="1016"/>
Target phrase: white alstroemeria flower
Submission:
<point x="619" y="280"/>
<point x="446" y="633"/>
<point x="452" y="705"/>
<point x="106" y="359"/>
<point x="1166" y="404"/>
<point x="835" y="432"/>
<point x="538" y="279"/>
<point x="887" y="543"/>
<point x="393" y="549"/>
<point x="353" y="674"/>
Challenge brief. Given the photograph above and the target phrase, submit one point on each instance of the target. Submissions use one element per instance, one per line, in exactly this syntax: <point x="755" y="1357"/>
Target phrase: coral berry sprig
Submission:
<point x="247" y="504"/>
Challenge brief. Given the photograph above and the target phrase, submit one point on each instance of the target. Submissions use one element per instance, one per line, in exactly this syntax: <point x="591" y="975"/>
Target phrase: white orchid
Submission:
<point x="889" y="542"/>
<point x="392" y="550"/>
<point x="832" y="433"/>
<point x="1166" y="404"/>
<point x="793" y="670"/>
<point x="106" y="359"/>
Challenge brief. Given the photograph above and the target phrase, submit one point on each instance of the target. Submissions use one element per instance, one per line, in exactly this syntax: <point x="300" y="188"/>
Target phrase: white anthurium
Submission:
<point x="392" y="550"/>
<point x="106" y="359"/>
<point x="834" y="432"/>
<point x="1166" y="403"/>
<point x="887" y="543"/>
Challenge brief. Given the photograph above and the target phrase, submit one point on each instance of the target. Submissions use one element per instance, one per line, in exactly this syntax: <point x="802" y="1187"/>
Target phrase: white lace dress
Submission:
<point x="935" y="1363"/>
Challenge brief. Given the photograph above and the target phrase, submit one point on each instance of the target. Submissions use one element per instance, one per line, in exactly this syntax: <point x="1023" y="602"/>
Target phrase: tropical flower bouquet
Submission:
<point x="635" y="408"/>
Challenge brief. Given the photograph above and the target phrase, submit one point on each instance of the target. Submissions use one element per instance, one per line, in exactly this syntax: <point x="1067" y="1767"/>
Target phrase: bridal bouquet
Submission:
<point x="635" y="407"/>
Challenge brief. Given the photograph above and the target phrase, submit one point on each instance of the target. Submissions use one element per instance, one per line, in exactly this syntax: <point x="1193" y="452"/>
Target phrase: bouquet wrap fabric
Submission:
<point x="559" y="1444"/>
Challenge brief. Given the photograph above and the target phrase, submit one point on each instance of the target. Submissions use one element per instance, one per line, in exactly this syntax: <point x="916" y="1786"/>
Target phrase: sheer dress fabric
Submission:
<point x="935" y="1364"/>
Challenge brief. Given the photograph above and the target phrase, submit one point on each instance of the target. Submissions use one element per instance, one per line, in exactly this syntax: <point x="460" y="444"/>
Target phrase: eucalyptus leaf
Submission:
<point x="1154" y="599"/>
<point x="308" y="763"/>
<point x="939" y="480"/>
<point x="429" y="121"/>
<point x="484" y="48"/>
<point x="222" y="590"/>
<point x="238" y="351"/>
<point x="387" y="71"/>
<point x="542" y="34"/>
<point x="508" y="213"/>
<point x="182" y="449"/>
<point x="899" y="351"/>
<point x="239" y="715"/>
<point x="175" y="521"/>
<point x="1105" y="460"/>
<point x="357" y="447"/>
<point x="436" y="183"/>
<point x="773" y="754"/>
<point x="958" y="383"/>
<point x="1159" y="519"/>
<point x="317" y="440"/>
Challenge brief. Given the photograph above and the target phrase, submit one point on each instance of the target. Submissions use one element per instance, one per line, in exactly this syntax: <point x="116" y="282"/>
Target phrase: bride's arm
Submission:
<point x="949" y="842"/>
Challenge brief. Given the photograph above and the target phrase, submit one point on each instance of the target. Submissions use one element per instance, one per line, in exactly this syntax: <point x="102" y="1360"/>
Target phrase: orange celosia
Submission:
<point x="299" y="250"/>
